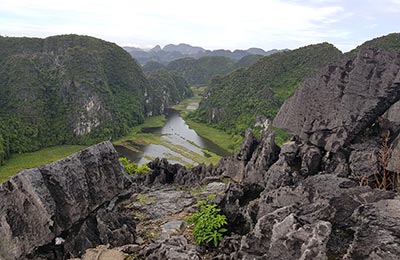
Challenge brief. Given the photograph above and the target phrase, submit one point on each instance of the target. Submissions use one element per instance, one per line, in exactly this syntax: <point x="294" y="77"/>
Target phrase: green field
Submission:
<point x="19" y="162"/>
<point x="228" y="142"/>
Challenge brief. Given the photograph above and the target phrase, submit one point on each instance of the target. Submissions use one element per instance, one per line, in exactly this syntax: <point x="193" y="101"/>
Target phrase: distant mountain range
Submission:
<point x="173" y="52"/>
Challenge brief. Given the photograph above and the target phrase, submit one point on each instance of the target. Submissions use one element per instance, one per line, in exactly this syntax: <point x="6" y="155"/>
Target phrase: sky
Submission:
<point x="212" y="24"/>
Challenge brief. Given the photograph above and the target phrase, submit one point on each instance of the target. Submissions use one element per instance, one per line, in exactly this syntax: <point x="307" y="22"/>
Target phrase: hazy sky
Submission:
<point x="211" y="24"/>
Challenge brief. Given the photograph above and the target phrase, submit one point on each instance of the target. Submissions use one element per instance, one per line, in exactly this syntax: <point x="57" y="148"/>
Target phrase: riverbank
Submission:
<point x="140" y="137"/>
<point x="230" y="143"/>
<point x="171" y="139"/>
<point x="19" y="162"/>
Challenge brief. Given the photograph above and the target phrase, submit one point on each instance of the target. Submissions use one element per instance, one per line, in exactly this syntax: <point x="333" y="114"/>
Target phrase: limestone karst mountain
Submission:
<point x="73" y="89"/>
<point x="234" y="101"/>
<point x="311" y="198"/>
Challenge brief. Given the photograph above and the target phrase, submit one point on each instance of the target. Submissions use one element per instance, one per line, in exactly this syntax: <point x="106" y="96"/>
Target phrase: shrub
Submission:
<point x="133" y="168"/>
<point x="208" y="224"/>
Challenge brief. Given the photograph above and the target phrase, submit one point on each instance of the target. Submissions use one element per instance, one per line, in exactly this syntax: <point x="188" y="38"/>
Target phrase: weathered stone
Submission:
<point x="393" y="114"/>
<point x="330" y="109"/>
<point x="172" y="228"/>
<point x="377" y="231"/>
<point x="248" y="146"/>
<point x="394" y="161"/>
<point x="291" y="240"/>
<point x="39" y="204"/>
<point x="103" y="253"/>
<point x="176" y="248"/>
<point x="364" y="160"/>
<point x="265" y="154"/>
<point x="310" y="159"/>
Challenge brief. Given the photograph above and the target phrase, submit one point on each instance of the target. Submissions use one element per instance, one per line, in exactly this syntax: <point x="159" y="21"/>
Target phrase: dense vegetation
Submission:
<point x="208" y="223"/>
<point x="390" y="42"/>
<point x="167" y="88"/>
<point x="173" y="52"/>
<point x="66" y="90"/>
<point x="233" y="102"/>
<point x="201" y="71"/>
<point x="73" y="89"/>
<point x="133" y="168"/>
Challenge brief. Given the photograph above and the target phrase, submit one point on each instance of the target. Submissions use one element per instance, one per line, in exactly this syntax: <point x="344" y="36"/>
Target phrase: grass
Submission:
<point x="222" y="139"/>
<point x="19" y="162"/>
<point x="134" y="139"/>
<point x="145" y="199"/>
<point x="136" y="132"/>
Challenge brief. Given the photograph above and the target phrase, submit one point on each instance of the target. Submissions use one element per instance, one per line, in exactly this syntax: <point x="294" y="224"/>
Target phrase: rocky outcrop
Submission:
<point x="332" y="108"/>
<point x="313" y="198"/>
<point x="62" y="200"/>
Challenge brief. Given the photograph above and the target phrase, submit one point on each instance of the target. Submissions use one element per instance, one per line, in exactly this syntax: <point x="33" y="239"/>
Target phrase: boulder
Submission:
<point x="332" y="108"/>
<point x="41" y="204"/>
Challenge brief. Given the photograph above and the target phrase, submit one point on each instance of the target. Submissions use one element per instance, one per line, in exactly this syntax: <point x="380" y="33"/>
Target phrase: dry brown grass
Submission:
<point x="383" y="178"/>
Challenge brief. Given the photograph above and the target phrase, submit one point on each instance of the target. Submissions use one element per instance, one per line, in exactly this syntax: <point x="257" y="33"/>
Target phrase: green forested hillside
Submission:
<point x="233" y="102"/>
<point x="153" y="66"/>
<point x="201" y="71"/>
<point x="66" y="89"/>
<point x="247" y="61"/>
<point x="390" y="42"/>
<point x="168" y="89"/>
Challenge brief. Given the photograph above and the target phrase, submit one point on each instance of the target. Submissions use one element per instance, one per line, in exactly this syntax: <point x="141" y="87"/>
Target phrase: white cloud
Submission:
<point x="209" y="23"/>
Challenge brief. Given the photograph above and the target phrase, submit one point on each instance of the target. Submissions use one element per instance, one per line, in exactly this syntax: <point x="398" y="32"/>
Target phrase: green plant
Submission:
<point x="133" y="168"/>
<point x="208" y="223"/>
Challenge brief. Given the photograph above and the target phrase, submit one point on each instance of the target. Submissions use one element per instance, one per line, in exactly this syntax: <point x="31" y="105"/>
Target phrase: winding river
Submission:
<point x="179" y="143"/>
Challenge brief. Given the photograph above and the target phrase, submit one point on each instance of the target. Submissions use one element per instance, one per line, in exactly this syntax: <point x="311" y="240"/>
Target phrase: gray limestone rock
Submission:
<point x="394" y="161"/>
<point x="376" y="231"/>
<point x="330" y="109"/>
<point x="40" y="204"/>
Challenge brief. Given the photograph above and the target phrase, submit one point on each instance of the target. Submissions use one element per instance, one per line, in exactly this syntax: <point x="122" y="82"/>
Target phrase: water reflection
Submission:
<point x="177" y="136"/>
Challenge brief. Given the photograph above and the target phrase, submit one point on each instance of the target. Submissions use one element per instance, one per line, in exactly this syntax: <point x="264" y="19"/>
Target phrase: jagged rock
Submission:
<point x="176" y="248"/>
<point x="232" y="168"/>
<point x="292" y="240"/>
<point x="162" y="172"/>
<point x="286" y="170"/>
<point x="376" y="232"/>
<point x="335" y="163"/>
<point x="311" y="157"/>
<point x="248" y="146"/>
<point x="103" y="227"/>
<point x="252" y="161"/>
<point x="393" y="114"/>
<point x="363" y="160"/>
<point x="264" y="155"/>
<point x="40" y="204"/>
<point x="330" y="109"/>
<point x="172" y="228"/>
<point x="394" y="162"/>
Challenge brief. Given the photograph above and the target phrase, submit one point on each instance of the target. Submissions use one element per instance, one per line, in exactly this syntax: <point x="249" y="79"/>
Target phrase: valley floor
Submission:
<point x="139" y="138"/>
<point x="19" y="162"/>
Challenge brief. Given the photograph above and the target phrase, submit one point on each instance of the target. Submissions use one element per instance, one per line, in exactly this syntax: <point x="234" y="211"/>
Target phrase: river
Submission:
<point x="179" y="143"/>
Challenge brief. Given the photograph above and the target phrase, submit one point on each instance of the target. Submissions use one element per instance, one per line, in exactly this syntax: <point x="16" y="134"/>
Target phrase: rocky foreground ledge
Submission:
<point x="320" y="196"/>
<point x="67" y="199"/>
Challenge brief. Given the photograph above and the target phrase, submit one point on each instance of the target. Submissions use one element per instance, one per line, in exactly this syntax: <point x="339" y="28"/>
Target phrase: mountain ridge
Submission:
<point x="171" y="52"/>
